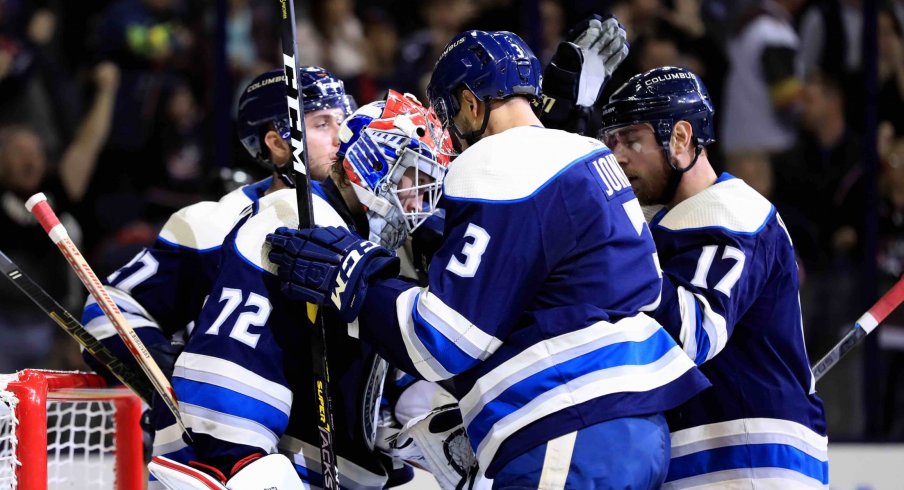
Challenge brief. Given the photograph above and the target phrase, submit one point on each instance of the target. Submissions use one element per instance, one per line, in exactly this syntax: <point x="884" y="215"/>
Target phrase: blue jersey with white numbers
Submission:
<point x="535" y="300"/>
<point x="244" y="379"/>
<point x="730" y="296"/>
<point x="161" y="290"/>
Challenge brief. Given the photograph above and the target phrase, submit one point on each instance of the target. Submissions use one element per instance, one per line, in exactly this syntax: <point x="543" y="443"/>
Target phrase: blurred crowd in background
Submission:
<point x="122" y="112"/>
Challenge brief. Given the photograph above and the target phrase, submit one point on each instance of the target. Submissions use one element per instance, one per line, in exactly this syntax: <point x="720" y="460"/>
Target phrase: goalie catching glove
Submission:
<point x="329" y="266"/>
<point x="574" y="79"/>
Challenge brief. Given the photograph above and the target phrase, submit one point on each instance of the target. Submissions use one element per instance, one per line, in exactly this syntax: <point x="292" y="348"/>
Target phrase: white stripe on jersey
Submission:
<point x="168" y="440"/>
<point x="625" y="378"/>
<point x="229" y="428"/>
<point x="749" y="431"/>
<point x="455" y="327"/>
<point x="102" y="328"/>
<point x="550" y="352"/>
<point x="713" y="324"/>
<point x="557" y="461"/>
<point x="229" y="375"/>
<point x="745" y="479"/>
<point x="426" y="364"/>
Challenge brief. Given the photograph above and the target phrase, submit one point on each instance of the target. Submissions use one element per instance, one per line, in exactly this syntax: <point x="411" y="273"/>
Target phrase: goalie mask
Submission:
<point x="392" y="154"/>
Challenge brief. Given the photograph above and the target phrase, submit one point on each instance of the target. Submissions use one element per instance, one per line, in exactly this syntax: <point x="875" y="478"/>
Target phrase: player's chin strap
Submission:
<point x="474" y="136"/>
<point x="284" y="172"/>
<point x="273" y="471"/>
<point x="677" y="173"/>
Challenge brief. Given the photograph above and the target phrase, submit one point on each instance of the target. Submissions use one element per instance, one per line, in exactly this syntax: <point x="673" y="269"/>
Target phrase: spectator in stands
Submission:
<point x="24" y="170"/>
<point x="891" y="69"/>
<point x="891" y="266"/>
<point x="831" y="34"/>
<point x="821" y="179"/>
<point x="35" y="88"/>
<point x="420" y="50"/>
<point x="332" y="36"/>
<point x="762" y="88"/>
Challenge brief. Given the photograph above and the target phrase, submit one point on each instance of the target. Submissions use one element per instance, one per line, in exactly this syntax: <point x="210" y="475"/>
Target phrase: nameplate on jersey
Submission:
<point x="609" y="175"/>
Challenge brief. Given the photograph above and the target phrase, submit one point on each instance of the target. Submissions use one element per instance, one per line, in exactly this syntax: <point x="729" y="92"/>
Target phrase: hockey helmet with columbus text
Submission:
<point x="662" y="97"/>
<point x="263" y="102"/>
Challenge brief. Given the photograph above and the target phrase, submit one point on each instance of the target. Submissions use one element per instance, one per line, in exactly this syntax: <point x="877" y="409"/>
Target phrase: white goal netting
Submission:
<point x="8" y="444"/>
<point x="81" y="447"/>
<point x="61" y="431"/>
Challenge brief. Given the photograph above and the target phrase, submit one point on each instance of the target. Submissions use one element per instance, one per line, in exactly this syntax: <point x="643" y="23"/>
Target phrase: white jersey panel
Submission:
<point x="204" y="225"/>
<point x="277" y="209"/>
<point x="730" y="204"/>
<point x="539" y="155"/>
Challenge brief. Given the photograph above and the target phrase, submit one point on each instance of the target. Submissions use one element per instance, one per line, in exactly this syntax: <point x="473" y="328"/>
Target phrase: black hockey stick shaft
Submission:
<point x="132" y="378"/>
<point x="319" y="363"/>
<point x="864" y="325"/>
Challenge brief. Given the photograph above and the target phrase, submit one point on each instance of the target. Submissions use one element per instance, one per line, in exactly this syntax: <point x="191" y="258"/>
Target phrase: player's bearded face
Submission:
<point x="322" y="134"/>
<point x="640" y="156"/>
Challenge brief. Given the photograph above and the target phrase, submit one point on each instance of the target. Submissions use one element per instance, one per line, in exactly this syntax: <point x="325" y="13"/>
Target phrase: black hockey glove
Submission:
<point x="575" y="77"/>
<point x="329" y="266"/>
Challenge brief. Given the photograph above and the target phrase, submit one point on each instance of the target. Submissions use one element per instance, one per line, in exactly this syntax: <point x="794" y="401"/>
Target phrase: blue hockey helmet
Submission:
<point x="264" y="101"/>
<point x="492" y="65"/>
<point x="662" y="97"/>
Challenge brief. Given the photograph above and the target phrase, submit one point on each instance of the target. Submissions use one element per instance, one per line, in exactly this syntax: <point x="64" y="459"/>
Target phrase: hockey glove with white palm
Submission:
<point x="574" y="79"/>
<point x="329" y="266"/>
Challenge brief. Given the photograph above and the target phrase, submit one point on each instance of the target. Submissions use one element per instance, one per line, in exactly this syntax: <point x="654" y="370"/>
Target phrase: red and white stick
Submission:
<point x="40" y="208"/>
<point x="865" y="324"/>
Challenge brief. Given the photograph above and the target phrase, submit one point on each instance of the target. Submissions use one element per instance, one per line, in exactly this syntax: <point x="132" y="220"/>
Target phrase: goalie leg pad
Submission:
<point x="271" y="472"/>
<point x="177" y="476"/>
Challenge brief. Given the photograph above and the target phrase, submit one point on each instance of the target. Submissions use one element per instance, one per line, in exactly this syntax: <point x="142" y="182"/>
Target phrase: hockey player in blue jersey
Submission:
<point x="162" y="289"/>
<point x="536" y="298"/>
<point x="243" y="379"/>
<point x="730" y="296"/>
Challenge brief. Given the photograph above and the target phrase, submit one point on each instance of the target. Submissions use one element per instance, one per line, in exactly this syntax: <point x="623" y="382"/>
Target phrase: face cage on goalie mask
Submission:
<point x="428" y="193"/>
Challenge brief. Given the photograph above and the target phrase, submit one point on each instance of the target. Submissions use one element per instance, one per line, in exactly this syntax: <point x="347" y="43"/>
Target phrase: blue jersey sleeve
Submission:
<point x="714" y="271"/>
<point x="480" y="281"/>
<point x="159" y="292"/>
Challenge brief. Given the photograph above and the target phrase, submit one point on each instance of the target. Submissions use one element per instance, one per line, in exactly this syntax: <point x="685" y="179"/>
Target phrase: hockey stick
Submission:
<point x="319" y="364"/>
<point x="38" y="206"/>
<point x="864" y="325"/>
<point x="129" y="377"/>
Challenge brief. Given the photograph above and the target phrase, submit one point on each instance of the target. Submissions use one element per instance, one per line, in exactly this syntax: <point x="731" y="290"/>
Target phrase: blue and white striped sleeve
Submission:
<point x="706" y="290"/>
<point x="480" y="282"/>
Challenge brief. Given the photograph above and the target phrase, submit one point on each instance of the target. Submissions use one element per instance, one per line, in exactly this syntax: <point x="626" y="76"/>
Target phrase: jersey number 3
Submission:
<point x="473" y="251"/>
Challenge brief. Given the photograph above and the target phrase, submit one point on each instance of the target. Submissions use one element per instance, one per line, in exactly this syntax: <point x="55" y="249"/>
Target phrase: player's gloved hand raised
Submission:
<point x="329" y="266"/>
<point x="574" y="79"/>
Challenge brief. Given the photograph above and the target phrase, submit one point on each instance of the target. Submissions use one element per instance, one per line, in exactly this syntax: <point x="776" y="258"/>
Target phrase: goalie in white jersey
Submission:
<point x="730" y="296"/>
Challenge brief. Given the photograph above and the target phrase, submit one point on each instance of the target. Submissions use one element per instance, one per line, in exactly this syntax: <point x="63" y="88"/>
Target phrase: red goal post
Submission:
<point x="66" y="430"/>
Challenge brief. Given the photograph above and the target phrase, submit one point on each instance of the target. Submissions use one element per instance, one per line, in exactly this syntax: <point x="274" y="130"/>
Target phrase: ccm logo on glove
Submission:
<point x="351" y="260"/>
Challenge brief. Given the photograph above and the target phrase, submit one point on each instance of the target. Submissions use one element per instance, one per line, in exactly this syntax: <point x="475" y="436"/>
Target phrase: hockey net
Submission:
<point x="65" y="430"/>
